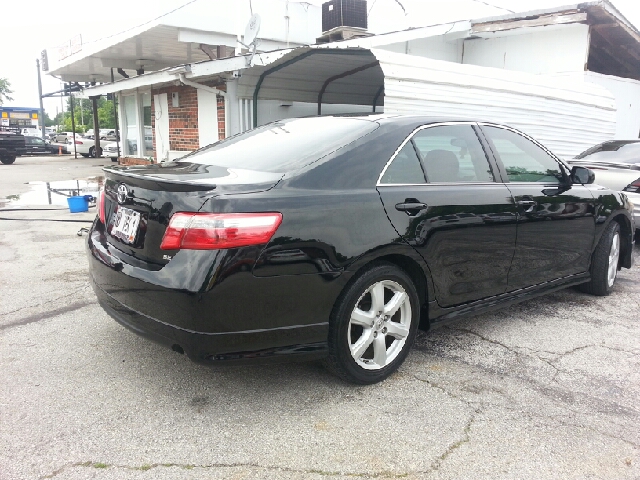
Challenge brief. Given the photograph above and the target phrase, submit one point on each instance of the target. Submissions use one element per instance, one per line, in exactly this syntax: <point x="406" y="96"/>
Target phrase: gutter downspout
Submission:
<point x="206" y="88"/>
<point x="215" y="91"/>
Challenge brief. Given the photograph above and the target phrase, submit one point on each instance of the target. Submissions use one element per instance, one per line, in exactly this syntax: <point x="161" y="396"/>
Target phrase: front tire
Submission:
<point x="604" y="264"/>
<point x="92" y="152"/>
<point x="373" y="325"/>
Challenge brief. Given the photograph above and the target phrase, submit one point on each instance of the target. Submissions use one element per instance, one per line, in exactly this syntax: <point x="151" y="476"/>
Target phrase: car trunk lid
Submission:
<point x="139" y="201"/>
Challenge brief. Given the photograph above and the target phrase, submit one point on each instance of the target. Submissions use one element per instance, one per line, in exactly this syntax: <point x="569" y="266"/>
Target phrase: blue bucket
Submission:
<point x="79" y="204"/>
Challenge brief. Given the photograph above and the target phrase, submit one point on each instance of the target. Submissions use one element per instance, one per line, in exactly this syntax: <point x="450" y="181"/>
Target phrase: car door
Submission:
<point x="444" y="197"/>
<point x="556" y="219"/>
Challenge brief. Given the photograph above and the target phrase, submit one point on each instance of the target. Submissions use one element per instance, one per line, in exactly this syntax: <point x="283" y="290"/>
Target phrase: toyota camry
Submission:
<point x="337" y="237"/>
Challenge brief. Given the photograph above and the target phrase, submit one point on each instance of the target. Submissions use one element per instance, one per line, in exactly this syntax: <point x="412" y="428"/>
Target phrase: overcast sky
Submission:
<point x="30" y="26"/>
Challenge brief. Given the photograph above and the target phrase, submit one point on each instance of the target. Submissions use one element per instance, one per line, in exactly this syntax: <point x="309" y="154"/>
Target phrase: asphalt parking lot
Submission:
<point x="546" y="389"/>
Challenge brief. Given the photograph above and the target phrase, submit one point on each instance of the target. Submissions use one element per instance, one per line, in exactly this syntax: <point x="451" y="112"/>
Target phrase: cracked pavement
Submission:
<point x="545" y="389"/>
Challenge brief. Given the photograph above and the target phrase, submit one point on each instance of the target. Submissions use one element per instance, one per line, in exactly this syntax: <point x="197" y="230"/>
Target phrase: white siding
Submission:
<point x="544" y="50"/>
<point x="627" y="94"/>
<point x="567" y="117"/>
<point x="437" y="48"/>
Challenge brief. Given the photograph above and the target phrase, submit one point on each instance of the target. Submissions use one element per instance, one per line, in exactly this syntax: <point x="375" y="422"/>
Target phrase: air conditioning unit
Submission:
<point x="344" y="13"/>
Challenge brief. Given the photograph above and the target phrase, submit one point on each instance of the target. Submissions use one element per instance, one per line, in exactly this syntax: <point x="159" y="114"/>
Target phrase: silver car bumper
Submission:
<point x="635" y="199"/>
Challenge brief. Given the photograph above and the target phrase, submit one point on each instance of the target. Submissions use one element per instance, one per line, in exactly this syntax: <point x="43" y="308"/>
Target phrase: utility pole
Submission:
<point x="73" y="124"/>
<point x="96" y="128"/>
<point x="115" y="116"/>
<point x="41" y="115"/>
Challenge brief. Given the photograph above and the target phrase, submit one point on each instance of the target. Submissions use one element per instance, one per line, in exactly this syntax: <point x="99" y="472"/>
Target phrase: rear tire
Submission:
<point x="604" y="263"/>
<point x="114" y="159"/>
<point x="373" y="325"/>
<point x="8" y="160"/>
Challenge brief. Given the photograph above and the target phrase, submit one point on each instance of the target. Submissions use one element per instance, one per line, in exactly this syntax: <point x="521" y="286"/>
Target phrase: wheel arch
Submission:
<point x="409" y="262"/>
<point x="627" y="236"/>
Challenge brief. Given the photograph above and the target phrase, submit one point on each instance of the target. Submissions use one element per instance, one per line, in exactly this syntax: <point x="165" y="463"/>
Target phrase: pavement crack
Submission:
<point x="72" y="294"/>
<point x="486" y="339"/>
<point x="191" y="466"/>
<point x="466" y="438"/>
<point x="50" y="314"/>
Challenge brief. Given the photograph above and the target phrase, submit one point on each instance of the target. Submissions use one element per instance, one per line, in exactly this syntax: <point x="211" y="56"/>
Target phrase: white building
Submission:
<point x="568" y="76"/>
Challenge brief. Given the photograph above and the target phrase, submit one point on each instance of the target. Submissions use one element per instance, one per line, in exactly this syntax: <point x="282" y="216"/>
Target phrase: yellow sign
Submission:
<point x="24" y="115"/>
<point x="5" y="115"/>
<point x="34" y="115"/>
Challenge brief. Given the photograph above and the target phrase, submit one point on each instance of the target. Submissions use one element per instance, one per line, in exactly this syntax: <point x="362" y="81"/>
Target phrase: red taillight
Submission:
<point x="212" y="231"/>
<point x="633" y="186"/>
<point x="101" y="211"/>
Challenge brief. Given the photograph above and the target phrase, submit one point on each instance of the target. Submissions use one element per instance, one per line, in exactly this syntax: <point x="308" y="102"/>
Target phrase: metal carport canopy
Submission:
<point x="310" y="74"/>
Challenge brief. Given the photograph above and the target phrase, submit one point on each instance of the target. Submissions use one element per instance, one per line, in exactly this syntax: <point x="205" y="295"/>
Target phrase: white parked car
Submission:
<point x="111" y="150"/>
<point x="85" y="146"/>
<point x="616" y="165"/>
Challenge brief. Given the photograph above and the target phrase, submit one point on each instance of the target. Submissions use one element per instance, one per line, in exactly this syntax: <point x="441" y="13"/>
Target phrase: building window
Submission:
<point x="130" y="124"/>
<point x="135" y="120"/>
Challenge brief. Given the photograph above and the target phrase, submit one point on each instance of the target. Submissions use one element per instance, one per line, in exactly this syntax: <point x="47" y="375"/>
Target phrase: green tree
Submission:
<point x="106" y="118"/>
<point x="48" y="121"/>
<point x="5" y="90"/>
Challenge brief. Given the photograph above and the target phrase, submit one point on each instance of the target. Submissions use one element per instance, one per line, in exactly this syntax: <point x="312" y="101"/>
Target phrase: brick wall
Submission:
<point x="183" y="120"/>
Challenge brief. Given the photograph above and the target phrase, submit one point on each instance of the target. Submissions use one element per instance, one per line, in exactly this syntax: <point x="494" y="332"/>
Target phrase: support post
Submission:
<point x="73" y="124"/>
<point x="96" y="127"/>
<point x="115" y="116"/>
<point x="41" y="114"/>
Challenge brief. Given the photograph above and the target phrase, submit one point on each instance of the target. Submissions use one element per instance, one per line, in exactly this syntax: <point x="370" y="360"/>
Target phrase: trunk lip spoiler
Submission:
<point x="154" y="178"/>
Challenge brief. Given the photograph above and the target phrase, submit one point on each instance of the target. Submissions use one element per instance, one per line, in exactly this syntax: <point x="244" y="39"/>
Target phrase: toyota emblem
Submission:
<point x="123" y="193"/>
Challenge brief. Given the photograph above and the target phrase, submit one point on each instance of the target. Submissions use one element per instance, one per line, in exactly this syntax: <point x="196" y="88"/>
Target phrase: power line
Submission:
<point x="494" y="6"/>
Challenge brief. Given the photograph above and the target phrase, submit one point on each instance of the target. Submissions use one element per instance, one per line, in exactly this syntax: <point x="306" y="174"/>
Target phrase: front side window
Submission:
<point x="452" y="153"/>
<point x="523" y="160"/>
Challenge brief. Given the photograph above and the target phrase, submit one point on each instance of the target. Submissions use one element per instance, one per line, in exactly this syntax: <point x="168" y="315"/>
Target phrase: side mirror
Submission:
<point x="582" y="175"/>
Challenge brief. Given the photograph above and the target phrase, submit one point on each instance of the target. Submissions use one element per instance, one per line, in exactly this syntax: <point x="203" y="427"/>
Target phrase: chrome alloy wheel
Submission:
<point x="379" y="325"/>
<point x="614" y="255"/>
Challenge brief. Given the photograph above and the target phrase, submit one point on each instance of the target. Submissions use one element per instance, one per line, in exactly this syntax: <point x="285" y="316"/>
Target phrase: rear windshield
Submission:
<point x="284" y="145"/>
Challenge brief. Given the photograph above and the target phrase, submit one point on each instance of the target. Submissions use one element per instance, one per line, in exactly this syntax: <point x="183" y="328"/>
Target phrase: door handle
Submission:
<point x="527" y="204"/>
<point x="411" y="206"/>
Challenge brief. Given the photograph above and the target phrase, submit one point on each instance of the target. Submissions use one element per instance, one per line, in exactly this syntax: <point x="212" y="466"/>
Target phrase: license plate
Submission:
<point x="125" y="224"/>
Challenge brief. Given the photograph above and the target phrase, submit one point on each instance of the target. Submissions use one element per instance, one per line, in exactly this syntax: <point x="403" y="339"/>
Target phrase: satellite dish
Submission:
<point x="253" y="27"/>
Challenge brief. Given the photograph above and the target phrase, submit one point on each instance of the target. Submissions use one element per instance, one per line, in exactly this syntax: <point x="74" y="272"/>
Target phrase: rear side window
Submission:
<point x="405" y="168"/>
<point x="284" y="145"/>
<point x="452" y="153"/>
<point x="523" y="160"/>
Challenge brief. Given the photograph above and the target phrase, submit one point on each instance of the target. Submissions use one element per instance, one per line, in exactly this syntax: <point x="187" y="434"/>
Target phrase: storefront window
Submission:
<point x="137" y="132"/>
<point x="130" y="125"/>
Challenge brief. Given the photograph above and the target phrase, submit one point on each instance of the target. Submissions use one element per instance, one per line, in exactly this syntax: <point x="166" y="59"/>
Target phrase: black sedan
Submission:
<point x="336" y="237"/>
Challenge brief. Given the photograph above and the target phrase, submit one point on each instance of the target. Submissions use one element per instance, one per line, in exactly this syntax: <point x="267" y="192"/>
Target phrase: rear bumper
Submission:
<point x="236" y="318"/>
<point x="268" y="346"/>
